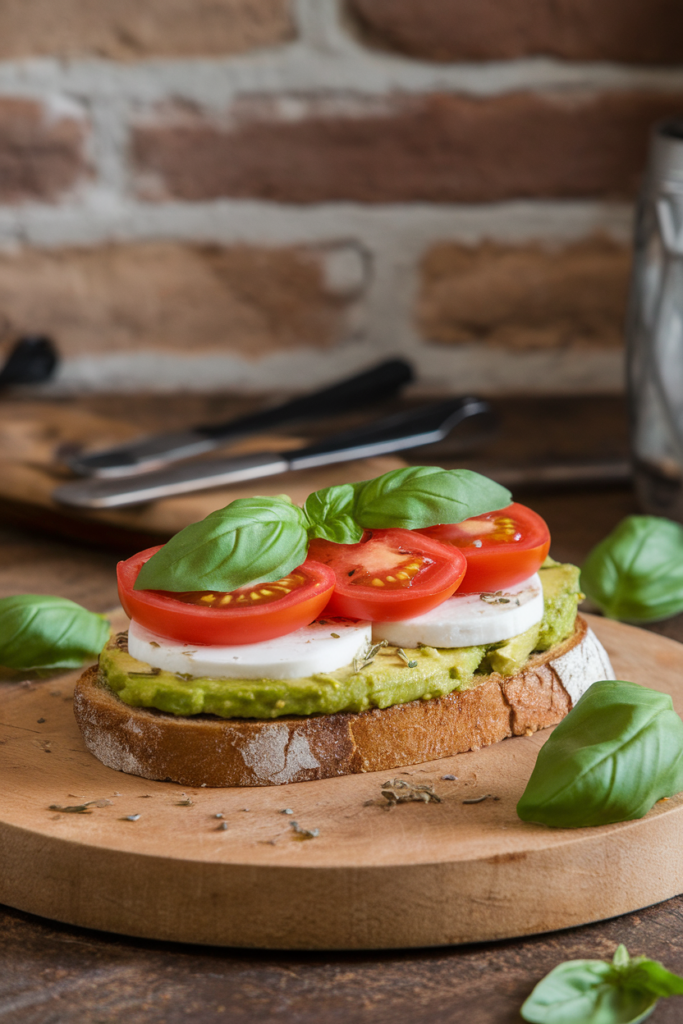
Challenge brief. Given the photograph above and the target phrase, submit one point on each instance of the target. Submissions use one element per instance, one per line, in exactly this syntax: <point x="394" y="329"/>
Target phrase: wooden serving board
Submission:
<point x="415" y="875"/>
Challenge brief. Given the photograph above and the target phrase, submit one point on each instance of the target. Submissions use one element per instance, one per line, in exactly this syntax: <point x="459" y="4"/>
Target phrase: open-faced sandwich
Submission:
<point x="386" y="623"/>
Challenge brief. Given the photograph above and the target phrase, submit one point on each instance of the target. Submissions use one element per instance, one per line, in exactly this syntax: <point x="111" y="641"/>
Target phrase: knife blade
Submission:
<point x="601" y="473"/>
<point x="153" y="452"/>
<point x="424" y="425"/>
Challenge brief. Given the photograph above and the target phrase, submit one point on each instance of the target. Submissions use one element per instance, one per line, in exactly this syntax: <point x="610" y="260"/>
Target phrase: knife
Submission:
<point x="423" y="425"/>
<point x="602" y="473"/>
<point x="155" y="451"/>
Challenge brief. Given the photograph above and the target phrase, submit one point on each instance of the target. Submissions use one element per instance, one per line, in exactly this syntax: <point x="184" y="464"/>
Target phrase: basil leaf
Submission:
<point x="636" y="573"/>
<point x="251" y="540"/>
<point x="586" y="992"/>
<point x="614" y="755"/>
<point x="651" y="976"/>
<point x="258" y="540"/>
<point x="38" y="632"/>
<point x="595" y="992"/>
<point x="420" y="496"/>
<point x="331" y="514"/>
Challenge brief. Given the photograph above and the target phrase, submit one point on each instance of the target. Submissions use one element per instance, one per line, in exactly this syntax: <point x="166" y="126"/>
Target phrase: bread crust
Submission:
<point x="210" y="751"/>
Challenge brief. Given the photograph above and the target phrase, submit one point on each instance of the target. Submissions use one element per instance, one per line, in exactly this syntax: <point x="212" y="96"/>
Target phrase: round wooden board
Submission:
<point x="415" y="875"/>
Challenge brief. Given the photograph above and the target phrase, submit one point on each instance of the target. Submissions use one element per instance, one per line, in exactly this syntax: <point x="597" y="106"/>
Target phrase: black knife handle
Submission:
<point x="33" y="360"/>
<point x="429" y="423"/>
<point x="374" y="385"/>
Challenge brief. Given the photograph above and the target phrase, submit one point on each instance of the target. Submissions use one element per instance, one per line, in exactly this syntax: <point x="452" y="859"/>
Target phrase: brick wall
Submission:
<point x="294" y="188"/>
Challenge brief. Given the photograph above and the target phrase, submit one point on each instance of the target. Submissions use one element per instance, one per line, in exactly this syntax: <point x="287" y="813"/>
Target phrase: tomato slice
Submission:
<point x="390" y="575"/>
<point x="502" y="548"/>
<point x="244" y="616"/>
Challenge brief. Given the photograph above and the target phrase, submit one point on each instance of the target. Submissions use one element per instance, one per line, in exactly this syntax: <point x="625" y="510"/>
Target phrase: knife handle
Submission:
<point x="374" y="385"/>
<point x="32" y="360"/>
<point x="424" y="425"/>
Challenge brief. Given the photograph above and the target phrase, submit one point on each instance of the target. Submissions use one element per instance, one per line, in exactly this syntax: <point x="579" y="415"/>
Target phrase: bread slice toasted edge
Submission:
<point x="210" y="751"/>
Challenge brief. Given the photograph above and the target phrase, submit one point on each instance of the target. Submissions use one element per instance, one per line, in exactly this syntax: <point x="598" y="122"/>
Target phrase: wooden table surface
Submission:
<point x="54" y="974"/>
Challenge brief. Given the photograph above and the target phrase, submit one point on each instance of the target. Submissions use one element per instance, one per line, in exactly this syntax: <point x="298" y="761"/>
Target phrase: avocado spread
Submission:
<point x="387" y="680"/>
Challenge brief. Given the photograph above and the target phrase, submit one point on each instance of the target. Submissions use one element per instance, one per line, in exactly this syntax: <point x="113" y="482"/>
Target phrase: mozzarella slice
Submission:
<point x="321" y="647"/>
<point x="470" y="619"/>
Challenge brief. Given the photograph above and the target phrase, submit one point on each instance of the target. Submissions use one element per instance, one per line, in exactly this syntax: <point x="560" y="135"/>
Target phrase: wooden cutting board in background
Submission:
<point x="33" y="434"/>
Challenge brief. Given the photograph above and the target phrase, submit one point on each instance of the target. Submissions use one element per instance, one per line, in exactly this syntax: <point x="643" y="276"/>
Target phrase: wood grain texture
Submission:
<point x="465" y="872"/>
<point x="56" y="974"/>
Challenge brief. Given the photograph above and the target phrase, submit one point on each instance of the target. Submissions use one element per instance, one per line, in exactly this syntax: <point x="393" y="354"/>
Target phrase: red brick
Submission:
<point x="641" y="31"/>
<point x="132" y="29"/>
<point x="439" y="147"/>
<point x="41" y="156"/>
<point x="526" y="296"/>
<point x="173" y="297"/>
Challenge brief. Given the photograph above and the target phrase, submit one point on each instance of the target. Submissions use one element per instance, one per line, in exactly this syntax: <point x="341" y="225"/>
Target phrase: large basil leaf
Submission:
<point x="624" y="991"/>
<point x="331" y="514"/>
<point x="38" y="632"/>
<point x="614" y="755"/>
<point x="251" y="540"/>
<point x="636" y="573"/>
<point x="420" y="496"/>
<point x="258" y="540"/>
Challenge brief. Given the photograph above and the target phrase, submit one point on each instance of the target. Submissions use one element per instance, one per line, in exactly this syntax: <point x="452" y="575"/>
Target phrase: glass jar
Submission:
<point x="655" y="329"/>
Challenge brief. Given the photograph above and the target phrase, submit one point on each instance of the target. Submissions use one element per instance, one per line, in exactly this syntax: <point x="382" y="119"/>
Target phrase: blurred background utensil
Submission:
<point x="32" y="360"/>
<point x="144" y="454"/>
<point x="655" y="328"/>
<point x="551" y="475"/>
<point x="421" y="426"/>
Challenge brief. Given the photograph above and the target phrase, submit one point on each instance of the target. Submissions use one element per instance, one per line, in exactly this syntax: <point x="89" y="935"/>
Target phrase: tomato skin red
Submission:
<point x="506" y="554"/>
<point x="430" y="587"/>
<point x="162" y="613"/>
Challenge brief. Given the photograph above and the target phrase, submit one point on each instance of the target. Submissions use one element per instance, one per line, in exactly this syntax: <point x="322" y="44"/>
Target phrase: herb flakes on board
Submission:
<point x="301" y="833"/>
<point x="400" y="791"/>
<point x="85" y="808"/>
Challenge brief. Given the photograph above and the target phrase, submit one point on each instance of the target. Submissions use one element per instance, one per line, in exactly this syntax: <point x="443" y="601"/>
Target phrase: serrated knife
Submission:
<point x="424" y="425"/>
<point x="153" y="452"/>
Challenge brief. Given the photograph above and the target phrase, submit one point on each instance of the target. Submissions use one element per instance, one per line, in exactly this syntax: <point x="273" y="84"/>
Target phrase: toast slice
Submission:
<point x="209" y="751"/>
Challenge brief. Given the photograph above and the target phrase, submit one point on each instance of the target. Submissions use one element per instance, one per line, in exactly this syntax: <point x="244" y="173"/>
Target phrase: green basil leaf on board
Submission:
<point x="331" y="514"/>
<point x="420" y="496"/>
<point x="46" y="633"/>
<point x="636" y="573"/>
<point x="598" y="992"/>
<point x="251" y="540"/>
<point x="617" y="753"/>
